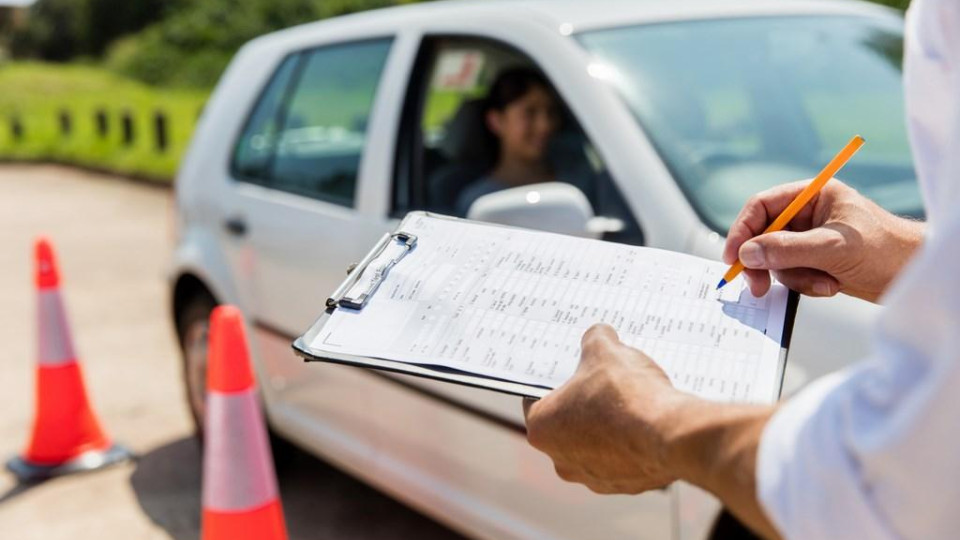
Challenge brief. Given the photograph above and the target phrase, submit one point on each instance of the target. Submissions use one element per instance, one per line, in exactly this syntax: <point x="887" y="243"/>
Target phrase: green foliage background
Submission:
<point x="899" y="4"/>
<point x="184" y="43"/>
<point x="134" y="56"/>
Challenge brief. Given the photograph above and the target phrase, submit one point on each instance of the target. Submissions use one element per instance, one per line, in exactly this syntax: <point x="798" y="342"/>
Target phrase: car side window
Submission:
<point x="254" y="149"/>
<point x="307" y="134"/>
<point x="445" y="145"/>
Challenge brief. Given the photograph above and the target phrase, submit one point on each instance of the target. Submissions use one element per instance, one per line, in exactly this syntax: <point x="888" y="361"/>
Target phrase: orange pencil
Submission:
<point x="803" y="198"/>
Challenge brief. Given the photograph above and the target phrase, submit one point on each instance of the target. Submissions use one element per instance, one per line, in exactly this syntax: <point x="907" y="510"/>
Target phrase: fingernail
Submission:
<point x="751" y="255"/>
<point x="822" y="288"/>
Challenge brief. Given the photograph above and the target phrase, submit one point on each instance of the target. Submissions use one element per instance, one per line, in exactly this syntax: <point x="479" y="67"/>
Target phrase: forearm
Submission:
<point x="714" y="446"/>
<point x="907" y="235"/>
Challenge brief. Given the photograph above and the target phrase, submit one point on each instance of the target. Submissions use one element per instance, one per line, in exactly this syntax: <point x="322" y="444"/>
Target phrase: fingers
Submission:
<point x="528" y="403"/>
<point x="816" y="248"/>
<point x="758" y="281"/>
<point x="596" y="343"/>
<point x="758" y="212"/>
<point x="597" y="334"/>
<point x="809" y="281"/>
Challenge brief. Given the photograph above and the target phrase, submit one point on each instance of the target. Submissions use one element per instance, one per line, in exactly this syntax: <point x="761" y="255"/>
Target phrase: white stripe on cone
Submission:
<point x="238" y="468"/>
<point x="55" y="346"/>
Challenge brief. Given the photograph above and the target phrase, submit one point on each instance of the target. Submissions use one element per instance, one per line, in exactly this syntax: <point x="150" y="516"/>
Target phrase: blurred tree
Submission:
<point x="106" y="20"/>
<point x="193" y="45"/>
<point x="60" y="30"/>
<point x="6" y="28"/>
<point x="52" y="33"/>
<point x="900" y="4"/>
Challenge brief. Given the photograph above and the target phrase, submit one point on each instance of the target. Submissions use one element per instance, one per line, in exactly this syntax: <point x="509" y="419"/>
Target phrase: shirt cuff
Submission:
<point x="807" y="483"/>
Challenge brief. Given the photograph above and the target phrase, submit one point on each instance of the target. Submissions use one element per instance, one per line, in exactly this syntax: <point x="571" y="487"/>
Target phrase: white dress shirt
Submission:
<point x="873" y="451"/>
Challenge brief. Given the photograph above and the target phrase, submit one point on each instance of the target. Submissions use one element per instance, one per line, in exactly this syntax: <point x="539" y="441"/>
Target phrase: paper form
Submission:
<point x="513" y="304"/>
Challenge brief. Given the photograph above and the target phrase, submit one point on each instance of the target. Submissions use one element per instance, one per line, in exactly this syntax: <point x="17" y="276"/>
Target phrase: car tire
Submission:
<point x="193" y="323"/>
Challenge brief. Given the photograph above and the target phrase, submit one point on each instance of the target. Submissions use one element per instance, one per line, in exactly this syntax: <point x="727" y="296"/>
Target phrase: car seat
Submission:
<point x="469" y="152"/>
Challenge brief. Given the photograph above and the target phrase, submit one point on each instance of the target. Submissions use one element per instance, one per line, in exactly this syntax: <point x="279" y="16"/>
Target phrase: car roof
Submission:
<point x="583" y="15"/>
<point x="570" y="16"/>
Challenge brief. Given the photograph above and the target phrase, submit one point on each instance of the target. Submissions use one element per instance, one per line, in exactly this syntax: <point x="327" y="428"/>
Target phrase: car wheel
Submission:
<point x="193" y="329"/>
<point x="193" y="325"/>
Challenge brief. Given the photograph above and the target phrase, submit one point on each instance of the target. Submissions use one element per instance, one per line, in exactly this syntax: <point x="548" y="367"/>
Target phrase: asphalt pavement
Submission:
<point x="113" y="239"/>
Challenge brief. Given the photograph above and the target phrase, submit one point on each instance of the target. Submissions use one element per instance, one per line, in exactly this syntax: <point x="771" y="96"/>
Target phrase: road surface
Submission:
<point x="113" y="240"/>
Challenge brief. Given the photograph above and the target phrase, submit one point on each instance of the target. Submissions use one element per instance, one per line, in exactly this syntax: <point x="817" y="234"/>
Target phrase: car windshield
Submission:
<point x="735" y="106"/>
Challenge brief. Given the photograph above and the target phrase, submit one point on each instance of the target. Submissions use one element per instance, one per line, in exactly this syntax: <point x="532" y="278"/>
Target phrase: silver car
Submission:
<point x="319" y="138"/>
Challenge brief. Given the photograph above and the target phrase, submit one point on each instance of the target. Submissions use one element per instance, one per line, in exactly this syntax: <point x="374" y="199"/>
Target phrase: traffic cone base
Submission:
<point x="92" y="460"/>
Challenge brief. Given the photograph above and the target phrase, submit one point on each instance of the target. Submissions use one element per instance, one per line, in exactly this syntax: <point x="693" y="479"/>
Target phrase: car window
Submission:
<point x="735" y="106"/>
<point x="307" y="133"/>
<point x="447" y="148"/>
<point x="254" y="149"/>
<point x="325" y="123"/>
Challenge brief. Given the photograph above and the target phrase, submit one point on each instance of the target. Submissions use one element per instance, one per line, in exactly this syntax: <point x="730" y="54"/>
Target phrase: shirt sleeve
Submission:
<point x="874" y="451"/>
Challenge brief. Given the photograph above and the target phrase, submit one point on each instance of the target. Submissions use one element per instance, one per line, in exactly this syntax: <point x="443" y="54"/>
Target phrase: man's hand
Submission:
<point x="840" y="242"/>
<point x="602" y="428"/>
<point x="619" y="426"/>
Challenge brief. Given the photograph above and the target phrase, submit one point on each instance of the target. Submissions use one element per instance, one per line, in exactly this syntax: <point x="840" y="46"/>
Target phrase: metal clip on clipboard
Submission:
<point x="342" y="297"/>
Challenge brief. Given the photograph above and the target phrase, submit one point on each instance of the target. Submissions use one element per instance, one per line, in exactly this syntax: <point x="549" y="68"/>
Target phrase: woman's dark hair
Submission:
<point x="512" y="85"/>
<point x="509" y="86"/>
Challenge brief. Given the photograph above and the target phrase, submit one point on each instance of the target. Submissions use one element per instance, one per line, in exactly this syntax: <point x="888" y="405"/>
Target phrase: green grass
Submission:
<point x="36" y="93"/>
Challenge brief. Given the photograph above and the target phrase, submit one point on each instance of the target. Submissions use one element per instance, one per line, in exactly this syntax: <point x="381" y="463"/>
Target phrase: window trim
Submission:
<point x="409" y="157"/>
<point x="281" y="113"/>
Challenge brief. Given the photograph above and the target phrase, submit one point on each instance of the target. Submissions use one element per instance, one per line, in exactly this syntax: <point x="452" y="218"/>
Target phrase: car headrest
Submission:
<point x="466" y="138"/>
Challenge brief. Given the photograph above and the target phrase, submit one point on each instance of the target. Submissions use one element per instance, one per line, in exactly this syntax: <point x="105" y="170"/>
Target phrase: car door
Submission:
<point x="294" y="222"/>
<point x="473" y="440"/>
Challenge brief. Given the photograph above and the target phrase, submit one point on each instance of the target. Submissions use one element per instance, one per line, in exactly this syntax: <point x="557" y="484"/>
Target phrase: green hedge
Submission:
<point x="183" y="54"/>
<point x="36" y="94"/>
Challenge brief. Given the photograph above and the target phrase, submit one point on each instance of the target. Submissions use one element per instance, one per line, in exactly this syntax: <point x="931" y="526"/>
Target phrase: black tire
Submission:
<point x="192" y="325"/>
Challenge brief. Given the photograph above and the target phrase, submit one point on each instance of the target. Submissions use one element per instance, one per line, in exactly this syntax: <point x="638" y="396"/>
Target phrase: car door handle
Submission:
<point x="236" y="226"/>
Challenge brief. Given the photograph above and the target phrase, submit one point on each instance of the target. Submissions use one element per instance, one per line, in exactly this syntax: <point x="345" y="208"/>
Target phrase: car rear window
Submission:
<point x="307" y="132"/>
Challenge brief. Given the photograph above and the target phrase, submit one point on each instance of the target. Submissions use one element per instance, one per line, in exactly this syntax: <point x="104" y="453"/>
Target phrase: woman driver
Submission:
<point x="522" y="114"/>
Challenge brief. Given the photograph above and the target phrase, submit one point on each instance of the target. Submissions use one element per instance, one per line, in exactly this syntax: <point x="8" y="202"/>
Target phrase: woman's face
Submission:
<point x="526" y="125"/>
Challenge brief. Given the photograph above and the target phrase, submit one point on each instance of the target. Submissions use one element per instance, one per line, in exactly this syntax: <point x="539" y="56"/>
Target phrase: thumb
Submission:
<point x="817" y="248"/>
<point x="597" y="343"/>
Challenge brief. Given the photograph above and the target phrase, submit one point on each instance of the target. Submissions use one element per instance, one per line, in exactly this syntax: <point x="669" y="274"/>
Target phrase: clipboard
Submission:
<point x="363" y="281"/>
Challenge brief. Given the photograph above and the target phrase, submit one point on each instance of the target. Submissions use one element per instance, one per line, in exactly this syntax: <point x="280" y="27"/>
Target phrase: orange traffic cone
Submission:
<point x="240" y="497"/>
<point x="66" y="436"/>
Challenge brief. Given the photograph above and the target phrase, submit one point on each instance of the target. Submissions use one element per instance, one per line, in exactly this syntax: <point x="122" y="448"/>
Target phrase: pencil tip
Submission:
<point x="721" y="284"/>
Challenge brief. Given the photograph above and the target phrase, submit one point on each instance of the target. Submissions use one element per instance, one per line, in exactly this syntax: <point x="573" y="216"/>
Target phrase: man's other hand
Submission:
<point x="839" y="242"/>
<point x="602" y="428"/>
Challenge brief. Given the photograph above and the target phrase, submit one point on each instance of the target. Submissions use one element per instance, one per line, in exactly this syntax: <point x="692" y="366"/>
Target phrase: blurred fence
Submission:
<point x="88" y="116"/>
<point x="112" y="131"/>
<point x="159" y="132"/>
